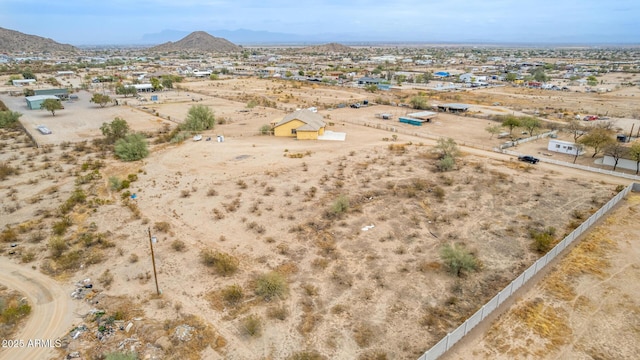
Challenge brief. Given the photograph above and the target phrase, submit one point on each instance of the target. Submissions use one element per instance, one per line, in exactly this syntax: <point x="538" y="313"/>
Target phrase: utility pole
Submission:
<point x="153" y="260"/>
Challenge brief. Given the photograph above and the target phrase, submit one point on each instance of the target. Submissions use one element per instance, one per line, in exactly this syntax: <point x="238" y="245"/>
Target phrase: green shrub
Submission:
<point x="12" y="314"/>
<point x="271" y="285"/>
<point x="199" y="118"/>
<point x="121" y="356"/>
<point x="458" y="259"/>
<point x="115" y="183"/>
<point x="447" y="163"/>
<point x="9" y="119"/>
<point x="57" y="246"/>
<point x="132" y="147"/>
<point x="543" y="240"/>
<point x="265" y="129"/>
<point x="340" y="205"/>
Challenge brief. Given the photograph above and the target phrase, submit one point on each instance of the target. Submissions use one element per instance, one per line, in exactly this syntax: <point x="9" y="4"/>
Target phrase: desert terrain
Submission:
<point x="585" y="308"/>
<point x="360" y="280"/>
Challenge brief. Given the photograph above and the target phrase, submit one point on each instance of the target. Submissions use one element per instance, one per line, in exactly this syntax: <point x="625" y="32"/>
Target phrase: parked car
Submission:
<point x="44" y="130"/>
<point x="355" y="106"/>
<point x="528" y="158"/>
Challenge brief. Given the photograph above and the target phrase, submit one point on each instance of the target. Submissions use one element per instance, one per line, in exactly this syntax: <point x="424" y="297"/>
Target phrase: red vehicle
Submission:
<point x="591" y="118"/>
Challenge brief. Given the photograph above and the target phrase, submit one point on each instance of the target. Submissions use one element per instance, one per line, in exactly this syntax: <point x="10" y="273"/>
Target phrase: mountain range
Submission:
<point x="249" y="37"/>
<point x="14" y="41"/>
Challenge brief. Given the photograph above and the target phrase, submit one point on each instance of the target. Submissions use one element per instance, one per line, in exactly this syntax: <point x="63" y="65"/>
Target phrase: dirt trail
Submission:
<point x="52" y="312"/>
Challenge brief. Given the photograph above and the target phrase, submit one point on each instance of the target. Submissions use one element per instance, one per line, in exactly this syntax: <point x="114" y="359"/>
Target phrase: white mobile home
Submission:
<point x="563" y="147"/>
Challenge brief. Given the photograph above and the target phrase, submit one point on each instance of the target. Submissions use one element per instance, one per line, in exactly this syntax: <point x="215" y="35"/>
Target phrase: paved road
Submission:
<point x="52" y="312"/>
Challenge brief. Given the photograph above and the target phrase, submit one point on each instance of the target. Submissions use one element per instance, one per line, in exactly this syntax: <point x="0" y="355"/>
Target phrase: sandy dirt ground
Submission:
<point x="53" y="312"/>
<point x="354" y="291"/>
<point x="593" y="314"/>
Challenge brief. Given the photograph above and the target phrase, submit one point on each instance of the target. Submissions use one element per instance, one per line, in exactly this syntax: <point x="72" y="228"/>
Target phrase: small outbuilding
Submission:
<point x="61" y="93"/>
<point x="453" y="108"/>
<point x="23" y="82"/>
<point x="35" y="102"/>
<point x="302" y="124"/>
<point x="563" y="147"/>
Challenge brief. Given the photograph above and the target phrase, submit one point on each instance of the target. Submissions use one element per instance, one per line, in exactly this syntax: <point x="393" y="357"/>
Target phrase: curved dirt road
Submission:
<point x="51" y="312"/>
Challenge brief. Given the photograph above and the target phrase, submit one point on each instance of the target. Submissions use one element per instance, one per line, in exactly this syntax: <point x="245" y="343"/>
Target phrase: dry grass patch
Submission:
<point x="545" y="321"/>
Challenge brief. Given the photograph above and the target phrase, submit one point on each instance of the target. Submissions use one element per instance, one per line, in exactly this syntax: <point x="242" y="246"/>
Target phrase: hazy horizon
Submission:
<point x="428" y="21"/>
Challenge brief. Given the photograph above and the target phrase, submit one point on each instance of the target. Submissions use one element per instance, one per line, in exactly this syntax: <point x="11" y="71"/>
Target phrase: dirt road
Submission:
<point x="52" y="313"/>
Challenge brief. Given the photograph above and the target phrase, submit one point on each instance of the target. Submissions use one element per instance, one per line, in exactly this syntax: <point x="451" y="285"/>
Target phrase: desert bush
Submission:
<point x="162" y="226"/>
<point x="57" y="245"/>
<point x="265" y="129"/>
<point x="223" y="263"/>
<point x="199" y="118"/>
<point x="339" y="207"/>
<point x="121" y="356"/>
<point x="252" y="325"/>
<point x="277" y="312"/>
<point x="439" y="193"/>
<point x="115" y="130"/>
<point x="115" y="183"/>
<point x="9" y="234"/>
<point x="13" y="313"/>
<point x="232" y="294"/>
<point x="28" y="256"/>
<point x="373" y="355"/>
<point x="60" y="227"/>
<point x="106" y="278"/>
<point x="212" y="192"/>
<point x="543" y="240"/>
<point x="446" y="163"/>
<point x="9" y="119"/>
<point x="306" y="355"/>
<point x="271" y="285"/>
<point x="363" y="334"/>
<point x="132" y="147"/>
<point x="6" y="170"/>
<point x="458" y="259"/>
<point x="133" y="258"/>
<point x="178" y="245"/>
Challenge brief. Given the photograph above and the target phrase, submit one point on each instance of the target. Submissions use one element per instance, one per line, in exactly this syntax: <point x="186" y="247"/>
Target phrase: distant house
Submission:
<point x="23" y="82"/>
<point x="141" y="87"/>
<point x="368" y="81"/>
<point x="563" y="147"/>
<point x="202" y="73"/>
<point x="302" y="124"/>
<point x="62" y="93"/>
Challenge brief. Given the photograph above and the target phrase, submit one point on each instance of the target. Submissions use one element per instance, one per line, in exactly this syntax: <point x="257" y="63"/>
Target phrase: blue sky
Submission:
<point x="81" y="22"/>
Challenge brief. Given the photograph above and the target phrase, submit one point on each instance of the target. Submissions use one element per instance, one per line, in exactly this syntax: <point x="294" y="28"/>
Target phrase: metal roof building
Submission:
<point x="35" y="102"/>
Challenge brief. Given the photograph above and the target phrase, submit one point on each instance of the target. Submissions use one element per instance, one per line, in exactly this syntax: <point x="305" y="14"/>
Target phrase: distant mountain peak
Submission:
<point x="198" y="41"/>
<point x="327" y="48"/>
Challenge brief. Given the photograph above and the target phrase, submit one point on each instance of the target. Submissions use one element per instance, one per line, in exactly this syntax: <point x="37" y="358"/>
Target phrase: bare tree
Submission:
<point x="576" y="129"/>
<point x="616" y="151"/>
<point x="579" y="148"/>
